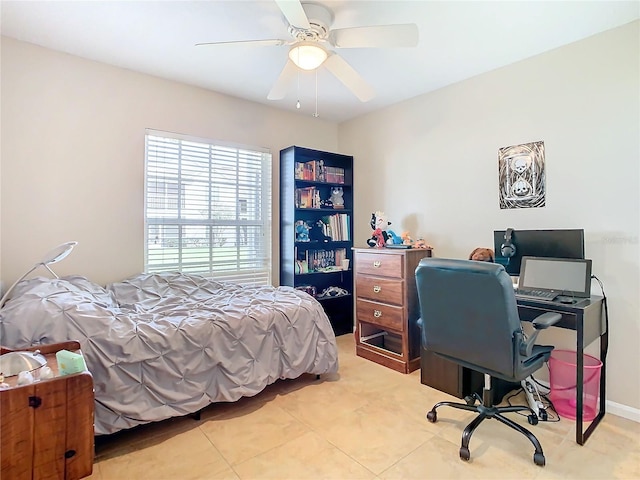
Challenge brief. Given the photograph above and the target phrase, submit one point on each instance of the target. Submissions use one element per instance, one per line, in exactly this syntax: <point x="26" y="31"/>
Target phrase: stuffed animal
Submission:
<point x="378" y="222"/>
<point x="420" y="243"/>
<point x="378" y="235"/>
<point x="481" y="254"/>
<point x="317" y="233"/>
<point x="393" y="239"/>
<point x="336" y="197"/>
<point x="302" y="231"/>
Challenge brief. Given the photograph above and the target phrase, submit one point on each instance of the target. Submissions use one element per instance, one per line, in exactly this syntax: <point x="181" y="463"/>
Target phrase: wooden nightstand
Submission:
<point x="46" y="428"/>
<point x="387" y="306"/>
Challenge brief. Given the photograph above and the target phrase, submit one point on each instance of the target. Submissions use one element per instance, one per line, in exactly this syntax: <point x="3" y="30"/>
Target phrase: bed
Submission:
<point x="169" y="344"/>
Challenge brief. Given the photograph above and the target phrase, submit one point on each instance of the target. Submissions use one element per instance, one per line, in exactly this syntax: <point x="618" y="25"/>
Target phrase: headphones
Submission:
<point x="508" y="249"/>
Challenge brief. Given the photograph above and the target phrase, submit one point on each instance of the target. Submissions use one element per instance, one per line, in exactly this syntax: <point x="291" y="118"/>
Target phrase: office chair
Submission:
<point x="469" y="316"/>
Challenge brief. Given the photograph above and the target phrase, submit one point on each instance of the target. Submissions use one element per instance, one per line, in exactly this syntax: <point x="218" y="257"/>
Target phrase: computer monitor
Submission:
<point x="567" y="243"/>
<point x="566" y="276"/>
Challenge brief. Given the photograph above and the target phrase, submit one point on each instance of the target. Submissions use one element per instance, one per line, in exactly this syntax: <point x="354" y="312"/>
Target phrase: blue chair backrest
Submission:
<point x="469" y="314"/>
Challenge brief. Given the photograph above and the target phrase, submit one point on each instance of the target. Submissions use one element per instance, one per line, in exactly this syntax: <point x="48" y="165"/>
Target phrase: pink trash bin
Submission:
<point x="563" y="380"/>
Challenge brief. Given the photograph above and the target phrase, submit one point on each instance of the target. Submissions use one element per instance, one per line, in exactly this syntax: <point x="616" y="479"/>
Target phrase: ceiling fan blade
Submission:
<point x="275" y="42"/>
<point x="401" y="35"/>
<point x="351" y="79"/>
<point x="279" y="89"/>
<point x="294" y="13"/>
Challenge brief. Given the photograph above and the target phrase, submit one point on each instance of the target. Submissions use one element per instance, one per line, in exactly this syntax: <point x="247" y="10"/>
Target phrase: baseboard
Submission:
<point x="623" y="411"/>
<point x="613" y="408"/>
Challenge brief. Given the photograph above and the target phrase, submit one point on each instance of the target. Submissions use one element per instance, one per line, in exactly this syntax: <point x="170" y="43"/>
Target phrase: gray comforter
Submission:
<point x="165" y="345"/>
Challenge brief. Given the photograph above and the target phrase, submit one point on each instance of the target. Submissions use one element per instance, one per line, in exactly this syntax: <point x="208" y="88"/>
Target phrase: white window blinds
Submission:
<point x="207" y="208"/>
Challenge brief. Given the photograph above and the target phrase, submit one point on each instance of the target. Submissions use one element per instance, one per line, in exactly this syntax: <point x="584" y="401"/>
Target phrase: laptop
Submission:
<point x="545" y="278"/>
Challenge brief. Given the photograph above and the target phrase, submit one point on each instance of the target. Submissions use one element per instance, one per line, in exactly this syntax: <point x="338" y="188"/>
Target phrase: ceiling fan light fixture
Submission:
<point x="307" y="55"/>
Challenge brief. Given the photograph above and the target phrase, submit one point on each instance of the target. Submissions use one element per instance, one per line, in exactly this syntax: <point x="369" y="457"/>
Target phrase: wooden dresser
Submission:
<point x="46" y="428"/>
<point x="387" y="306"/>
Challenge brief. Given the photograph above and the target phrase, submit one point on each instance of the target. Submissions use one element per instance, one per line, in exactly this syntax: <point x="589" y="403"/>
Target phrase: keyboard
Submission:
<point x="535" y="294"/>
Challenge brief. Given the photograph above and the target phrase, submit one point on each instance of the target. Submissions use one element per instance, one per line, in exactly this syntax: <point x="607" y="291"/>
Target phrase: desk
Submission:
<point x="587" y="318"/>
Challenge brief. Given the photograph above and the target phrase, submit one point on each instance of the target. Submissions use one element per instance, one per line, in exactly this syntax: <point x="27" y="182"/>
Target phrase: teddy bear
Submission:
<point x="482" y="254"/>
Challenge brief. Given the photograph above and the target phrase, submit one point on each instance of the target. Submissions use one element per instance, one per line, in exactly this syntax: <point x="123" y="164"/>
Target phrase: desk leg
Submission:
<point x="579" y="379"/>
<point x="604" y="342"/>
<point x="582" y="436"/>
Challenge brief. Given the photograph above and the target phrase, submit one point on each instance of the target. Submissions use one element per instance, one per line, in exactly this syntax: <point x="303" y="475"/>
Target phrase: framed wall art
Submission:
<point x="521" y="176"/>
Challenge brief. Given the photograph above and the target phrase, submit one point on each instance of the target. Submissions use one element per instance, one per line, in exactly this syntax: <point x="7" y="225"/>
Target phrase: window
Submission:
<point x="207" y="208"/>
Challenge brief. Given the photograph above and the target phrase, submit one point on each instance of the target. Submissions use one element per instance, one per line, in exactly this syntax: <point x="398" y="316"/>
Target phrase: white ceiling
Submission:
<point x="457" y="41"/>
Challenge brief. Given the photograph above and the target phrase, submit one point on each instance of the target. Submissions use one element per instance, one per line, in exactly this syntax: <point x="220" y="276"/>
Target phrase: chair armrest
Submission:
<point x="422" y="333"/>
<point x="546" y="320"/>
<point x="541" y="322"/>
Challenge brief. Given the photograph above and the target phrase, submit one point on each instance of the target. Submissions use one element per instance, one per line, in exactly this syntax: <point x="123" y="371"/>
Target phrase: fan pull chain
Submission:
<point x="316" y="112"/>
<point x="298" y="94"/>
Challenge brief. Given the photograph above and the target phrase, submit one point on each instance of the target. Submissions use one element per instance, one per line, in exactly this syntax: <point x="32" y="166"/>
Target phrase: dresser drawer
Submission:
<point x="386" y="316"/>
<point x="385" y="290"/>
<point x="378" y="264"/>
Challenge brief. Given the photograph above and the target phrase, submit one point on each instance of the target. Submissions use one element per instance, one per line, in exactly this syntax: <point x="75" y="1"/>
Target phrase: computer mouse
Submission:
<point x="562" y="299"/>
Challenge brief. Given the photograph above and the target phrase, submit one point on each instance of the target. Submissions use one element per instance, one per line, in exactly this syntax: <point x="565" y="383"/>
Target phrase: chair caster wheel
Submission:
<point x="533" y="420"/>
<point x="432" y="416"/>
<point x="470" y="400"/>
<point x="466" y="455"/>
<point x="538" y="459"/>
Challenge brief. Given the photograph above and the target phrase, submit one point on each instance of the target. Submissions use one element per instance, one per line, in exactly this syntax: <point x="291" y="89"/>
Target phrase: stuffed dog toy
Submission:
<point x="482" y="255"/>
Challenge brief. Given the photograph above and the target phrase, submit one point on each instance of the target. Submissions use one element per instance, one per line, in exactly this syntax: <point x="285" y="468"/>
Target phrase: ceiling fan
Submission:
<point x="313" y="43"/>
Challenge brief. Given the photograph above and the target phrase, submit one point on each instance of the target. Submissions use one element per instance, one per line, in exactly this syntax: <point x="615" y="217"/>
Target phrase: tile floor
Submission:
<point x="366" y="422"/>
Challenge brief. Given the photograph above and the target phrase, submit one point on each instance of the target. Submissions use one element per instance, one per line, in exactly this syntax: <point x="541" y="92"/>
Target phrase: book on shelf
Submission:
<point x="334" y="175"/>
<point x="317" y="171"/>
<point x="312" y="170"/>
<point x="321" y="260"/>
<point x="307" y="197"/>
<point x="337" y="227"/>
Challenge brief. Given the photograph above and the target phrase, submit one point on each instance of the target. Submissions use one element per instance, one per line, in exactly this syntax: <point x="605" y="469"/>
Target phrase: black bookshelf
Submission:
<point x="307" y="178"/>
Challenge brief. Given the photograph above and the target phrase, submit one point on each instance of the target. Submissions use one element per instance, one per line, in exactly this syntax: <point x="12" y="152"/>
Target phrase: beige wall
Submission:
<point x="431" y="164"/>
<point x="73" y="154"/>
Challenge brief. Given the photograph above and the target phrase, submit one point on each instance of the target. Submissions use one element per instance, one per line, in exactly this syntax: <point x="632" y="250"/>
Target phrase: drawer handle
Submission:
<point x="377" y="313"/>
<point x="376" y="289"/>
<point x="377" y="264"/>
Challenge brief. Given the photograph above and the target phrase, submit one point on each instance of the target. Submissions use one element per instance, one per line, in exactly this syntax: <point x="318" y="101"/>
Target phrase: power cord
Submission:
<point x="551" y="413"/>
<point x="605" y="340"/>
<point x="547" y="388"/>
